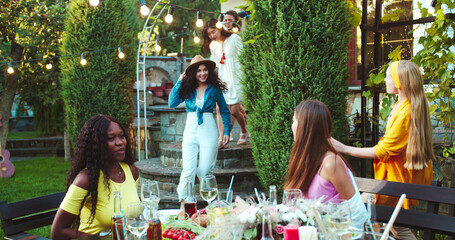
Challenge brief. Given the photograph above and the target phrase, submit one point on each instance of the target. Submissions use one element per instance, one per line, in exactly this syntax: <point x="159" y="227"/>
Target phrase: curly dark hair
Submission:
<point x="190" y="83"/>
<point x="205" y="47"/>
<point x="91" y="153"/>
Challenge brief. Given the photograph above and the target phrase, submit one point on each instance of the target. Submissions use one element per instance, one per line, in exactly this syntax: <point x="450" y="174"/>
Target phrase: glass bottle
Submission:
<point x="371" y="225"/>
<point x="155" y="231"/>
<point x="118" y="213"/>
<point x="272" y="196"/>
<point x="267" y="233"/>
<point x="190" y="202"/>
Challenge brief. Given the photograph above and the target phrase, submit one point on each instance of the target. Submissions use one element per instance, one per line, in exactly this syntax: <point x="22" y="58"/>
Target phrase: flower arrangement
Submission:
<point x="244" y="220"/>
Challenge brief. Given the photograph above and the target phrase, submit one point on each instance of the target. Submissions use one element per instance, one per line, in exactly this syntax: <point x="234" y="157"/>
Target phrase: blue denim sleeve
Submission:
<point x="224" y="111"/>
<point x="174" y="97"/>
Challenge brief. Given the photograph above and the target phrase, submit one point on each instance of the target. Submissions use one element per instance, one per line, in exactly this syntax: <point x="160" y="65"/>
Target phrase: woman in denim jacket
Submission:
<point x="201" y="89"/>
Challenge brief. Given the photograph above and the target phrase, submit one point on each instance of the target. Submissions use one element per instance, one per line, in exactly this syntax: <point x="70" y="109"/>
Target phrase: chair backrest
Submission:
<point x="430" y="221"/>
<point x="29" y="214"/>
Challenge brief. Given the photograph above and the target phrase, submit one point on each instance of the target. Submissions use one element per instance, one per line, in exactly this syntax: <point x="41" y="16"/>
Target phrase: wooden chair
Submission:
<point x="430" y="221"/>
<point x="21" y="216"/>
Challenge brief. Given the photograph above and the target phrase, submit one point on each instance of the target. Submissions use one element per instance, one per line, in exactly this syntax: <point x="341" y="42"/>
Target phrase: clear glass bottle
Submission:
<point x="272" y="196"/>
<point x="267" y="233"/>
<point x="371" y="225"/>
<point x="118" y="213"/>
<point x="190" y="202"/>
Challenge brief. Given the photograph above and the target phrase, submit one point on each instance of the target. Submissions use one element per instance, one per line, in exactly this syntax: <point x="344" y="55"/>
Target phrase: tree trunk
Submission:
<point x="9" y="91"/>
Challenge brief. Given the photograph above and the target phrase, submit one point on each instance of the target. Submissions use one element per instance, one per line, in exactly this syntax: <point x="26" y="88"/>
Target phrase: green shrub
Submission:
<point x="300" y="52"/>
<point x="103" y="86"/>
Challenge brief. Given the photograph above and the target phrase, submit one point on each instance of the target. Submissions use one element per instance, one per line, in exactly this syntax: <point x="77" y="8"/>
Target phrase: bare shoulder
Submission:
<point x="134" y="171"/>
<point x="332" y="163"/>
<point x="82" y="180"/>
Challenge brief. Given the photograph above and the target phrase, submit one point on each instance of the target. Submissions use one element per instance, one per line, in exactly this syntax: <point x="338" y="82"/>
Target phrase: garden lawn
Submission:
<point x="33" y="178"/>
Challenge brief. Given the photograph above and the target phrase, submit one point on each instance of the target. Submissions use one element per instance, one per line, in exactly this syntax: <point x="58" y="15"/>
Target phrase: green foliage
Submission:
<point x="36" y="25"/>
<point x="301" y="55"/>
<point x="34" y="178"/>
<point x="437" y="60"/>
<point x="103" y="86"/>
<point x="185" y="22"/>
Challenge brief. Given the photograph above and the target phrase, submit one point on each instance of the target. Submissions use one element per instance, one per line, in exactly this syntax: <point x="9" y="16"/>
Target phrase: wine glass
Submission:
<point x="136" y="220"/>
<point x="291" y="195"/>
<point x="150" y="194"/>
<point x="339" y="217"/>
<point x="208" y="188"/>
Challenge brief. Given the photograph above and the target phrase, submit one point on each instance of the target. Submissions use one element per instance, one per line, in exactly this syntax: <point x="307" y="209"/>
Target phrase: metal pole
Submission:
<point x="363" y="81"/>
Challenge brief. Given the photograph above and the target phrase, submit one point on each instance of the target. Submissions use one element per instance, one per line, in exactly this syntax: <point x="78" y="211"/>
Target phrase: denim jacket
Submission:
<point x="211" y="97"/>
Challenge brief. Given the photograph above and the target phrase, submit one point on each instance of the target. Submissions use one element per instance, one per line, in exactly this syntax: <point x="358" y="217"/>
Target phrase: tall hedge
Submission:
<point x="103" y="86"/>
<point x="300" y="53"/>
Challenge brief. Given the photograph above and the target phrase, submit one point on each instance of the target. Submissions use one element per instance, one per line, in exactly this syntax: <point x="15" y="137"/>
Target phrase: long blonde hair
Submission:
<point x="419" y="150"/>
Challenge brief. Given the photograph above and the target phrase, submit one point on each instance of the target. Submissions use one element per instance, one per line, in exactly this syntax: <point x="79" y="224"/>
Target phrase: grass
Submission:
<point x="33" y="178"/>
<point x="23" y="135"/>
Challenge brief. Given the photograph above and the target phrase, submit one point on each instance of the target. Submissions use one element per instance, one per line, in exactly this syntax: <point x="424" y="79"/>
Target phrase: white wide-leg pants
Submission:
<point x="197" y="139"/>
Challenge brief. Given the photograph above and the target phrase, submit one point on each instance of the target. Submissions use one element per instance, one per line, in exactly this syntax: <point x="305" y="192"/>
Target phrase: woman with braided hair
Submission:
<point x="102" y="164"/>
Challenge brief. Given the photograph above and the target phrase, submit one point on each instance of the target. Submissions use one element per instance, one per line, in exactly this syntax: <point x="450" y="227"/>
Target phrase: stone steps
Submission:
<point x="232" y="156"/>
<point x="46" y="146"/>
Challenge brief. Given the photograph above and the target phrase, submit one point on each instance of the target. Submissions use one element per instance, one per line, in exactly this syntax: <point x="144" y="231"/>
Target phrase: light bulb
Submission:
<point x="10" y="69"/>
<point x="169" y="18"/>
<point x="196" y="39"/>
<point x="121" y="55"/>
<point x="220" y="19"/>
<point x="235" y="29"/>
<point x="199" y="23"/>
<point x="83" y="61"/>
<point x="145" y="10"/>
<point x="94" y="3"/>
<point x="49" y="66"/>
<point x="219" y="24"/>
<point x="158" y="48"/>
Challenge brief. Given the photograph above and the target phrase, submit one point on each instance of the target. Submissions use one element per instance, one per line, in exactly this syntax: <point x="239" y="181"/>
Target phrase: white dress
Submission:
<point x="230" y="72"/>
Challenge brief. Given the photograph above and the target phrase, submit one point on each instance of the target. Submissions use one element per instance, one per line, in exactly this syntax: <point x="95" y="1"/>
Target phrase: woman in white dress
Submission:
<point x="225" y="48"/>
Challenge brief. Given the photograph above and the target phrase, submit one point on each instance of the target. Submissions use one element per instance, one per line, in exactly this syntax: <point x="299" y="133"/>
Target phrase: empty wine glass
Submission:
<point x="339" y="217"/>
<point x="208" y="188"/>
<point x="136" y="220"/>
<point x="150" y="194"/>
<point x="291" y="195"/>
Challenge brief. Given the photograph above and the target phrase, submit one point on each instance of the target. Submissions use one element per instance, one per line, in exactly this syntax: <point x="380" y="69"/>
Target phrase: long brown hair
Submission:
<point x="419" y="150"/>
<point x="190" y="83"/>
<point x="205" y="48"/>
<point x="312" y="142"/>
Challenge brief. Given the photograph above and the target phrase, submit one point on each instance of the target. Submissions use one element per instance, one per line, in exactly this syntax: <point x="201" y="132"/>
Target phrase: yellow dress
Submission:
<point x="105" y="204"/>
<point x="391" y="151"/>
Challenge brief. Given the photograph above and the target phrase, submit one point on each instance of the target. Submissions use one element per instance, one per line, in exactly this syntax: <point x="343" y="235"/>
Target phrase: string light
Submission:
<point x="196" y="38"/>
<point x="158" y="47"/>
<point x="199" y="22"/>
<point x="220" y="19"/>
<point x="83" y="61"/>
<point x="121" y="55"/>
<point x="170" y="14"/>
<point x="94" y="3"/>
<point x="48" y="64"/>
<point x="235" y="29"/>
<point x="144" y="9"/>
<point x="10" y="68"/>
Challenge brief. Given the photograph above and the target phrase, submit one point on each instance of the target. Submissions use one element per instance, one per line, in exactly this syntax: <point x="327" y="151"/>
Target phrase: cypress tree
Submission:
<point x="299" y="52"/>
<point x="103" y="86"/>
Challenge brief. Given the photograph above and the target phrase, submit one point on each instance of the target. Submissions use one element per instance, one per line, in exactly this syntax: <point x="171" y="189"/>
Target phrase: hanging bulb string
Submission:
<point x="100" y="50"/>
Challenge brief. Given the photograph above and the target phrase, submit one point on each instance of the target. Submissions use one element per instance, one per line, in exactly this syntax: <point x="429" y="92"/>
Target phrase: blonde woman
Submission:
<point x="405" y="152"/>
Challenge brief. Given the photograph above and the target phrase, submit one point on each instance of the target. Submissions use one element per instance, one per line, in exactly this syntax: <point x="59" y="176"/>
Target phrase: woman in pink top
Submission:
<point x="315" y="167"/>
